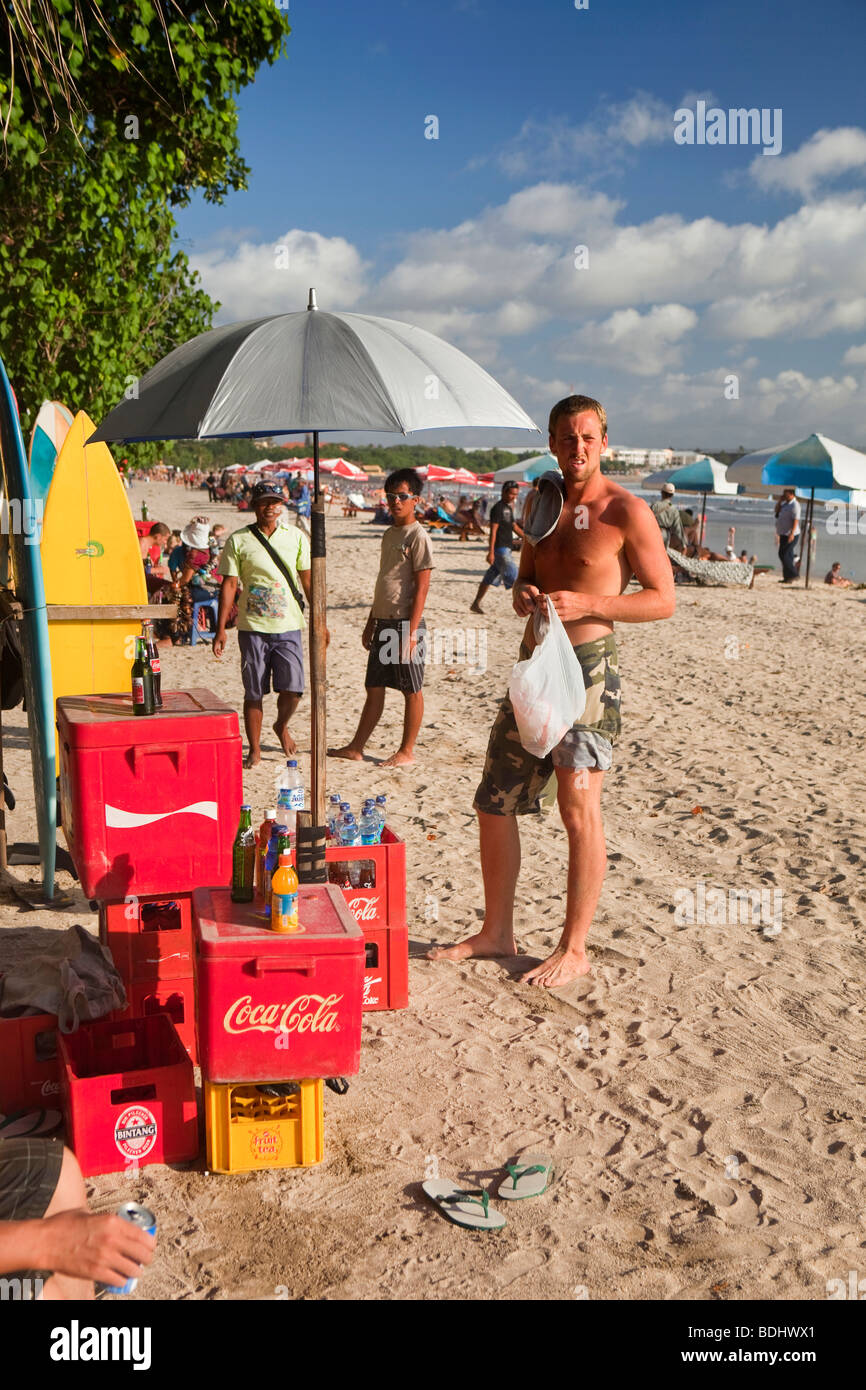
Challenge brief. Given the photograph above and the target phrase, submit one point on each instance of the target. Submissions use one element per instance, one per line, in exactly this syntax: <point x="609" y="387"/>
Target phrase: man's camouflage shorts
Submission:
<point x="513" y="779"/>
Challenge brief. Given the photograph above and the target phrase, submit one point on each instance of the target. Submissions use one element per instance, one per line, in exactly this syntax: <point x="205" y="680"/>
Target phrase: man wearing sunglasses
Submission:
<point x="395" y="631"/>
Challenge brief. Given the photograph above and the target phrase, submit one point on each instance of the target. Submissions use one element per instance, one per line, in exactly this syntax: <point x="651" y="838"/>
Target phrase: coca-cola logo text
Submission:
<point x="363" y="908"/>
<point x="309" y="1013"/>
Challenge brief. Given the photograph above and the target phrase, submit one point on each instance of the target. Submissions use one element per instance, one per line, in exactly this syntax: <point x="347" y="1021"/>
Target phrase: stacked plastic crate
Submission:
<point x="277" y="1016"/>
<point x="149" y="810"/>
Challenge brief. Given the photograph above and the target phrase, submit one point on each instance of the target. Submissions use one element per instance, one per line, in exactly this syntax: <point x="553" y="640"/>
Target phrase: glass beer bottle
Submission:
<point x="142" y="681"/>
<point x="244" y="858"/>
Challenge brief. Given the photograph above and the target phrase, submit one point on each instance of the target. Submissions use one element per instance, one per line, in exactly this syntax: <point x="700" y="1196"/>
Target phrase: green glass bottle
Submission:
<point x="142" y="681"/>
<point x="244" y="859"/>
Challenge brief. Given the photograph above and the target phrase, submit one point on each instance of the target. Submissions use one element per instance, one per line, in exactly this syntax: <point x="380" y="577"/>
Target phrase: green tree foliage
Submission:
<point x="138" y="116"/>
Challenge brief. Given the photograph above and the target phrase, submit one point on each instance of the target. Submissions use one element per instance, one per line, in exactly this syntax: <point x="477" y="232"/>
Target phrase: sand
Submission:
<point x="701" y="1092"/>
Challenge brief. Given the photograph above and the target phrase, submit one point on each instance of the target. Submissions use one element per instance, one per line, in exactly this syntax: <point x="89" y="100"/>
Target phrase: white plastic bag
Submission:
<point x="547" y="690"/>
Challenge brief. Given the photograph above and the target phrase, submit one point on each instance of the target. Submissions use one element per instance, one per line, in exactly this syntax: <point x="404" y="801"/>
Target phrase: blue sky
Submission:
<point x="556" y="130"/>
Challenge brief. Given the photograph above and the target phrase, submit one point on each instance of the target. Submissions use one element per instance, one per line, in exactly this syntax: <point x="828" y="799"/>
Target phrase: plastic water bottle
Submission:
<point x="291" y="795"/>
<point x="369" y="826"/>
<point x="345" y="810"/>
<point x="381" y="814"/>
<point x="349" y="836"/>
<point x="348" y="832"/>
<point x="333" y="813"/>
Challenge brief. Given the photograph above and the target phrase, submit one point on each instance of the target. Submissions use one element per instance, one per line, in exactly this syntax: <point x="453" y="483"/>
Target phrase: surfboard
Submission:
<point x="21" y="516"/>
<point x="46" y="441"/>
<point x="92" y="566"/>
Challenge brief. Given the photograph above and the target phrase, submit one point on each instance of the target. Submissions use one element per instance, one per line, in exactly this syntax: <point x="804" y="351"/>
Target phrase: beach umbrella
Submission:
<point x="527" y="470"/>
<point x="312" y="372"/>
<point x="817" y="465"/>
<point x="342" y="468"/>
<point x="704" y="475"/>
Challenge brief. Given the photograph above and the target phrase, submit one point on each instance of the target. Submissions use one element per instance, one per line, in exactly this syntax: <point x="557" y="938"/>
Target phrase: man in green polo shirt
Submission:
<point x="270" y="617"/>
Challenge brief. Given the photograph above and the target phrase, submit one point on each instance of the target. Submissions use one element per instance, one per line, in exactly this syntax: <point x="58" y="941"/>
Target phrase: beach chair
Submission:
<point x="714" y="572"/>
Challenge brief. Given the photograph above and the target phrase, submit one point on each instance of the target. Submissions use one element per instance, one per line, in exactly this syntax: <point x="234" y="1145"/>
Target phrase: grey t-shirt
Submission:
<point x="788" y="518"/>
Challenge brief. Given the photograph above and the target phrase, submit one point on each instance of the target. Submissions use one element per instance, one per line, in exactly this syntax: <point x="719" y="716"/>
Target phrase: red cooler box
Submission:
<point x="277" y="1007"/>
<point x="149" y="803"/>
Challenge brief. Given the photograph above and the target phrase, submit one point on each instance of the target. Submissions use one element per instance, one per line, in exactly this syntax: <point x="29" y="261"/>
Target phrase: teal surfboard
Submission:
<point x="24" y="534"/>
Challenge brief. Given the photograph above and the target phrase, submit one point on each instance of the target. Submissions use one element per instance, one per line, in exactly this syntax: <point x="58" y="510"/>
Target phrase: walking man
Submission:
<point x="502" y="528"/>
<point x="787" y="531"/>
<point x="272" y="563"/>
<point x="586" y="538"/>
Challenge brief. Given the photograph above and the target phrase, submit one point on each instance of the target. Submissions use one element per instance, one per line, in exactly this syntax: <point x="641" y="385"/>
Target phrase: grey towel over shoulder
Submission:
<point x="74" y="978"/>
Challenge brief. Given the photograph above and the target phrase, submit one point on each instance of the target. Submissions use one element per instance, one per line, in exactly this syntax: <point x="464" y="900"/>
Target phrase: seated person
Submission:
<point x="47" y="1233"/>
<point x="154" y="543"/>
<point x="835" y="577"/>
<point x="700" y="552"/>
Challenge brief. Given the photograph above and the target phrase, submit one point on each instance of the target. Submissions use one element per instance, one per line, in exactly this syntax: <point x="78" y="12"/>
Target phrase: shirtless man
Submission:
<point x="602" y="537"/>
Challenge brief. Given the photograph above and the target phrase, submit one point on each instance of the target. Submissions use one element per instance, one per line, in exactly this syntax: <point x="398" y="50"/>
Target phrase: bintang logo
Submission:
<point x="309" y="1013"/>
<point x="135" y="1131"/>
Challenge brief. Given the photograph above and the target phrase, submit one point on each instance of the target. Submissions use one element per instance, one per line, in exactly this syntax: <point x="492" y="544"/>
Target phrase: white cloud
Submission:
<point x="256" y="279"/>
<point x="825" y="155"/>
<point x="559" y="146"/>
<point x="855" y="356"/>
<point x="643" y="344"/>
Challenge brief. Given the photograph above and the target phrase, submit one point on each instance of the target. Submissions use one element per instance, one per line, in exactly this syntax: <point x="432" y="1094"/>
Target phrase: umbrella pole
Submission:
<point x="318" y="622"/>
<point x="703" y="514"/>
<point x="809" y="535"/>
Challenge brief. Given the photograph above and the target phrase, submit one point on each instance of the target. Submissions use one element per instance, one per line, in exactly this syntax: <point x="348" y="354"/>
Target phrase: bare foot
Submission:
<point x="398" y="760"/>
<point x="559" y="969"/>
<point x="348" y="752"/>
<point x="288" y="743"/>
<point x="473" y="608"/>
<point x="485" y="945"/>
<point x="252" y="759"/>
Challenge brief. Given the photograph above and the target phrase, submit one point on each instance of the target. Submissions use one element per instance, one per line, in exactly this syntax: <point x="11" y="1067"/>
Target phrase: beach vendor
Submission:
<point x="49" y="1242"/>
<point x="395" y="632"/>
<point x="587" y="537"/>
<point x="272" y="564"/>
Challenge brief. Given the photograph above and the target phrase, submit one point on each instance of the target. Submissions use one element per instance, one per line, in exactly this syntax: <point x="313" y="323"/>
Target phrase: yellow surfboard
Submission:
<point x="91" y="560"/>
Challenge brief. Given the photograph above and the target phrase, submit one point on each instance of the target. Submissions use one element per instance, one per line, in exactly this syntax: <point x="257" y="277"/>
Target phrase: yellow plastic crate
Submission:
<point x="247" y="1130"/>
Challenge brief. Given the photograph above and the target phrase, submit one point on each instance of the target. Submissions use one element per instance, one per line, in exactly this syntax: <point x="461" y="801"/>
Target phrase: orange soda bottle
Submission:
<point x="284" y="896"/>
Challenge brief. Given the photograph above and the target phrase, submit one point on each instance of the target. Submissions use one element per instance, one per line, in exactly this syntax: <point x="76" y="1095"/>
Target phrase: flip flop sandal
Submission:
<point x="469" y="1208"/>
<point x="27" y="1124"/>
<point x="530" y="1176"/>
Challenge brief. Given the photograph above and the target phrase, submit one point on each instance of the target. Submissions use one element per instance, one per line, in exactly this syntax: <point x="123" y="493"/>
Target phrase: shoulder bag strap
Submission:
<point x="280" y="564"/>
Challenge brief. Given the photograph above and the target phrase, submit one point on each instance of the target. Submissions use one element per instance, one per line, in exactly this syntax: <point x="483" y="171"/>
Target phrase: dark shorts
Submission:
<point x="29" y="1173"/>
<point x="503" y="568"/>
<point x="385" y="666"/>
<point x="513" y="780"/>
<point x="268" y="657"/>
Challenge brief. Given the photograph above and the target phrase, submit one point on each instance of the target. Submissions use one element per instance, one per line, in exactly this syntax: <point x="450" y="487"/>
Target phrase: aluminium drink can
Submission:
<point x="137" y="1216"/>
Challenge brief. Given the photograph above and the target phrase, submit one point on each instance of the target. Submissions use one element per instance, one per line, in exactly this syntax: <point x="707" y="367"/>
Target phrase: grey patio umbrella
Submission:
<point x="312" y="372"/>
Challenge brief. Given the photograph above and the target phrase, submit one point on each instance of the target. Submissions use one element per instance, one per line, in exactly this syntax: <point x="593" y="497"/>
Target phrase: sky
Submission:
<point x="719" y="298"/>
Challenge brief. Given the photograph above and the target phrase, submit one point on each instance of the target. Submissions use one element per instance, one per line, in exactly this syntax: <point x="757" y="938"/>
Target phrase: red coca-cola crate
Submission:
<point x="384" y="903"/>
<point x="277" y="1007"/>
<point x="149" y="938"/>
<point x="128" y="1095"/>
<point x="386" y="968"/>
<point x="149" y="801"/>
<point x="29" y="1065"/>
<point x="176" y="998"/>
<point x="380" y="911"/>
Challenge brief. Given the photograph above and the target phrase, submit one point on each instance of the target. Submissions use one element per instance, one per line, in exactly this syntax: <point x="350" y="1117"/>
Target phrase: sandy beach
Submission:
<point x="701" y="1091"/>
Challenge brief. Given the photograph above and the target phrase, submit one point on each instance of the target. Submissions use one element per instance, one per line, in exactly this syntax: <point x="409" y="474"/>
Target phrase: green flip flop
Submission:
<point x="465" y="1207"/>
<point x="529" y="1176"/>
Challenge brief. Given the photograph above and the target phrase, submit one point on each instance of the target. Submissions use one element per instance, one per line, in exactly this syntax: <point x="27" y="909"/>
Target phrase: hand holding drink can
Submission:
<point x="137" y="1216"/>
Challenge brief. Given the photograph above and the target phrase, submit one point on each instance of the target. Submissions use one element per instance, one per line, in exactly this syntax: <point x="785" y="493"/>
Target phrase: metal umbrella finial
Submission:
<point x="311" y="303"/>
